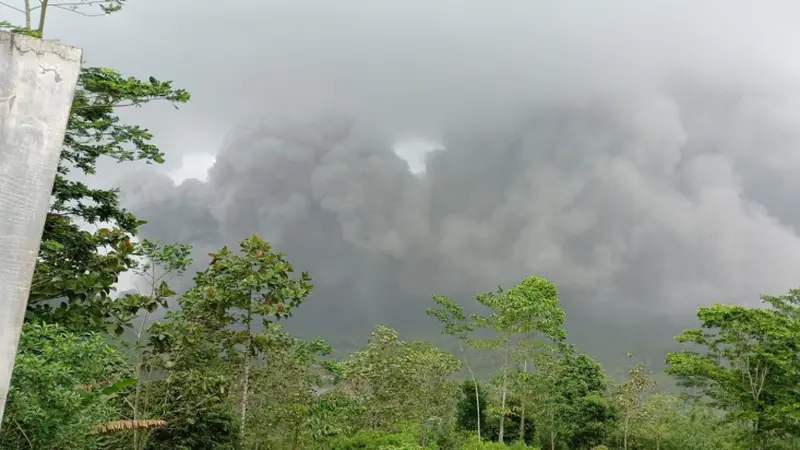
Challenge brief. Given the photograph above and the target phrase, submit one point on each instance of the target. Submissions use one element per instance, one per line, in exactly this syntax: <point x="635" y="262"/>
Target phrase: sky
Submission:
<point x="642" y="155"/>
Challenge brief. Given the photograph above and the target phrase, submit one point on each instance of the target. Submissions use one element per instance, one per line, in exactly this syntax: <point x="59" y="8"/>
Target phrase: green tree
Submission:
<point x="569" y="400"/>
<point x="527" y="319"/>
<point x="469" y="417"/>
<point x="285" y="392"/>
<point x="457" y="325"/>
<point x="206" y="349"/>
<point x="398" y="382"/>
<point x="745" y="361"/>
<point x="697" y="426"/>
<point x="56" y="397"/>
<point x="193" y="391"/>
<point x="77" y="269"/>
<point x="239" y="290"/>
<point x="659" y="416"/>
<point x="542" y="392"/>
<point x="583" y="385"/>
<point x="160" y="264"/>
<point x="631" y="396"/>
<point x="334" y="414"/>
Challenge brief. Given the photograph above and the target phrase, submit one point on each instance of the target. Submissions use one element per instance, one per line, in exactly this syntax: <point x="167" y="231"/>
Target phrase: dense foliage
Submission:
<point x="78" y="267"/>
<point x="58" y="394"/>
<point x="211" y="376"/>
<point x="218" y="371"/>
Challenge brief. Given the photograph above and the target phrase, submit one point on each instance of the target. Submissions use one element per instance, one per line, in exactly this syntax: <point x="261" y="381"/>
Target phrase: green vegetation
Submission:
<point x="205" y="378"/>
<point x="218" y="371"/>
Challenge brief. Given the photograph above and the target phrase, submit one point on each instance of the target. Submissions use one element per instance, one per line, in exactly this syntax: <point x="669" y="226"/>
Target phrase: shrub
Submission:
<point x="475" y="444"/>
<point x="55" y="398"/>
<point x="377" y="440"/>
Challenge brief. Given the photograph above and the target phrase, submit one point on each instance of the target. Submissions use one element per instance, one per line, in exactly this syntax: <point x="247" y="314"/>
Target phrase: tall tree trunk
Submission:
<point x="246" y="381"/>
<point x="477" y="392"/>
<point x="552" y="439"/>
<point x="296" y="437"/>
<point x="137" y="402"/>
<point x="42" y="15"/>
<point x="139" y="439"/>
<point x="477" y="403"/>
<point x="760" y="444"/>
<point x="245" y="389"/>
<point x="27" y="14"/>
<point x="625" y="434"/>
<point x="505" y="391"/>
<point x="522" y="411"/>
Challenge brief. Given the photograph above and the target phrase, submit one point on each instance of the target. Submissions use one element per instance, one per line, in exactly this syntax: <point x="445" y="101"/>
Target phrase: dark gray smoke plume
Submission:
<point x="644" y="160"/>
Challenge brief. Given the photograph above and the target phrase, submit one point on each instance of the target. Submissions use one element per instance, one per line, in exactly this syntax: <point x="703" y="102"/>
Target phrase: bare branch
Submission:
<point x="9" y="6"/>
<point x="72" y="5"/>
<point x="77" y="11"/>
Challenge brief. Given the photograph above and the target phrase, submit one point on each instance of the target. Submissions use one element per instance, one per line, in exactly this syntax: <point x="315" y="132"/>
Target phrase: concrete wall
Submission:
<point x="37" y="82"/>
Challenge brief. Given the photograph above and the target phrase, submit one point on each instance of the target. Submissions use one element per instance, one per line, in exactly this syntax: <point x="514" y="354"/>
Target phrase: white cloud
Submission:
<point x="194" y="166"/>
<point x="414" y="152"/>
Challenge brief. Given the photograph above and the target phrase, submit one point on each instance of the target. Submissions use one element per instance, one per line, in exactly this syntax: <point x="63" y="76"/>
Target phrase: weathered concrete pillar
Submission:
<point x="37" y="82"/>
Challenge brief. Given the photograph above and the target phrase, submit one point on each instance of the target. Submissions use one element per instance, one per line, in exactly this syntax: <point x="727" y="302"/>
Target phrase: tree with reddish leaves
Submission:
<point x="247" y="289"/>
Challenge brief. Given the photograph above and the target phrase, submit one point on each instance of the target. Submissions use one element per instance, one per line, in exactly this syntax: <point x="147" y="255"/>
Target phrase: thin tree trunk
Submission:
<point x="759" y="435"/>
<point x="552" y="440"/>
<point x="246" y="382"/>
<point x="625" y="435"/>
<point x="477" y="403"/>
<point x="138" y="396"/>
<point x="137" y="400"/>
<point x="505" y="390"/>
<point x="28" y="14"/>
<point x="245" y="389"/>
<point x="477" y="393"/>
<point x="42" y="15"/>
<point x="522" y="411"/>
<point x="296" y="437"/>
